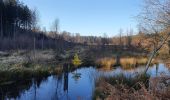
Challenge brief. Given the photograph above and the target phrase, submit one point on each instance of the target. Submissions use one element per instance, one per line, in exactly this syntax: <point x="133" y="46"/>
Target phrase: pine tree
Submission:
<point x="76" y="61"/>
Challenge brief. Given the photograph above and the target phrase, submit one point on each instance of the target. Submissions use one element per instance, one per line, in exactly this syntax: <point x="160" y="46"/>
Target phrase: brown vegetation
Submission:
<point x="125" y="62"/>
<point x="157" y="90"/>
<point x="106" y="62"/>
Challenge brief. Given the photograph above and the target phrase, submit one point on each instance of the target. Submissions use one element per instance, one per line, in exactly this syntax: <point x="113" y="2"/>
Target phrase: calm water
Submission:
<point x="78" y="85"/>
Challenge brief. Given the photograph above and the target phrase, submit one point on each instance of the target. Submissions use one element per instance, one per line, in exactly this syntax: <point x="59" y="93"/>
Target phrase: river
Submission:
<point x="76" y="85"/>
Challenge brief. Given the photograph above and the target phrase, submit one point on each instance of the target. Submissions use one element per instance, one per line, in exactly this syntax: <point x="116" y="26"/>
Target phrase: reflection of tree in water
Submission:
<point x="36" y="84"/>
<point x="76" y="76"/>
<point x="107" y="68"/>
<point x="61" y="89"/>
<point x="157" y="68"/>
<point x="65" y="88"/>
<point x="16" y="89"/>
<point x="58" y="90"/>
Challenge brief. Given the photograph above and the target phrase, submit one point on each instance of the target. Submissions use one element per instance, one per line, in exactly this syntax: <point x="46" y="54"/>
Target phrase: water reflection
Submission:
<point x="157" y="68"/>
<point x="15" y="90"/>
<point x="74" y="85"/>
<point x="66" y="78"/>
<point x="106" y="69"/>
<point x="76" y="76"/>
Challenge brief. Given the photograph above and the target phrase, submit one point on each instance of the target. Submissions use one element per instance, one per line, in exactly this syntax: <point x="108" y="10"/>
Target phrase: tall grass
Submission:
<point x="124" y="62"/>
<point x="128" y="62"/>
<point x="132" y="62"/>
<point x="106" y="62"/>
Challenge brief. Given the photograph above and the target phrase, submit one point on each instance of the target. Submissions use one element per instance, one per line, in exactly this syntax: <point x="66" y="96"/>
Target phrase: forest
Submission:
<point x="41" y="64"/>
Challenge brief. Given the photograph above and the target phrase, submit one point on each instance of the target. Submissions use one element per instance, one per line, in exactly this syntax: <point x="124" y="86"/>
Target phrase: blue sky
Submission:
<point x="88" y="17"/>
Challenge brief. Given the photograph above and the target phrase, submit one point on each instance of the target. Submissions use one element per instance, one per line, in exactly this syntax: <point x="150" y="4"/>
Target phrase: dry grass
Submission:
<point x="128" y="62"/>
<point x="107" y="91"/>
<point x="125" y="62"/>
<point x="121" y="92"/>
<point x="132" y="62"/>
<point x="142" y="61"/>
<point x="106" y="62"/>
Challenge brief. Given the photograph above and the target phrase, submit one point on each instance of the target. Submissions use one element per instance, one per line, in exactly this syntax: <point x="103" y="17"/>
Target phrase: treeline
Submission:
<point x="15" y="15"/>
<point x="18" y="29"/>
<point x="123" y="39"/>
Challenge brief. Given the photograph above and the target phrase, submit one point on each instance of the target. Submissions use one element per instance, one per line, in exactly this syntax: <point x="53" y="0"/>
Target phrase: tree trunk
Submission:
<point x="14" y="36"/>
<point x="155" y="51"/>
<point x="1" y="27"/>
<point x="149" y="61"/>
<point x="34" y="48"/>
<point x="42" y="43"/>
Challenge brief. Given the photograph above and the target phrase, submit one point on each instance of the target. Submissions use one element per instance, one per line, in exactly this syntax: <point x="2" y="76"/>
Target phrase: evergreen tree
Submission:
<point x="76" y="61"/>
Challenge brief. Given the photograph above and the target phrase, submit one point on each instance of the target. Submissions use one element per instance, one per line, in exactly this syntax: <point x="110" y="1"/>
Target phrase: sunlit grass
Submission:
<point x="106" y="62"/>
<point x="132" y="62"/>
<point x="124" y="62"/>
<point x="128" y="62"/>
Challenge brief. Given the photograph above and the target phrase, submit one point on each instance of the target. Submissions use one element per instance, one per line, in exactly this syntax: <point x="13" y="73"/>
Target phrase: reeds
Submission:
<point x="131" y="62"/>
<point x="106" y="62"/>
<point x="124" y="62"/>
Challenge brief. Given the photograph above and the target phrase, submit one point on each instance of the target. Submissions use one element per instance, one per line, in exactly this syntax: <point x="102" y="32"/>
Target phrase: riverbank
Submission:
<point x="25" y="64"/>
<point x="61" y="84"/>
<point x="26" y="71"/>
<point x="138" y="88"/>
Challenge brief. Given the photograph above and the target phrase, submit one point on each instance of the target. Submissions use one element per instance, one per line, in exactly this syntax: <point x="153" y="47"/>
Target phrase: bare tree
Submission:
<point x="35" y="19"/>
<point x="78" y="38"/>
<point x="42" y="41"/>
<point x="155" y="22"/>
<point x="34" y="46"/>
<point x="56" y="25"/>
<point x="129" y="37"/>
<point x="65" y="35"/>
<point x="120" y="37"/>
<point x="1" y="16"/>
<point x="104" y="39"/>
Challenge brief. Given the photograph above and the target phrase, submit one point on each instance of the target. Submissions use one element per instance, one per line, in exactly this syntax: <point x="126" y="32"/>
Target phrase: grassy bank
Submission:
<point x="23" y="65"/>
<point x="131" y="88"/>
<point x="25" y="71"/>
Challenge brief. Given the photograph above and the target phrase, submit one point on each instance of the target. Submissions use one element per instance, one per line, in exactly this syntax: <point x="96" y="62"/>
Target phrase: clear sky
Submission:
<point x="88" y="17"/>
